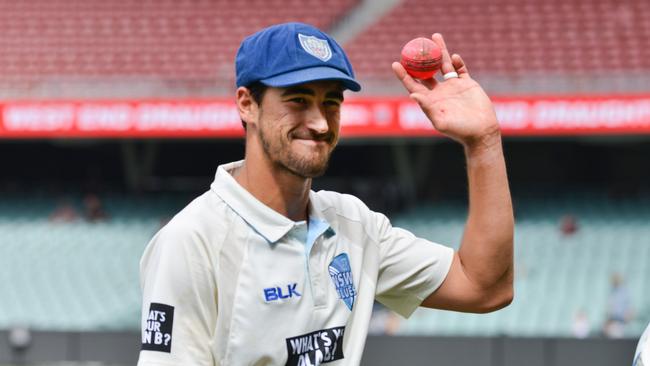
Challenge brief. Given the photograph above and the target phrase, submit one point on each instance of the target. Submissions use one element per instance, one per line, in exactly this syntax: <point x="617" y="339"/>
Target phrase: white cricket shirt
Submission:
<point x="229" y="281"/>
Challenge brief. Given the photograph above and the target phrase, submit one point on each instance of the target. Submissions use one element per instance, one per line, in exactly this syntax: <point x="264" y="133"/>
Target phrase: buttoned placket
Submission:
<point x="311" y="237"/>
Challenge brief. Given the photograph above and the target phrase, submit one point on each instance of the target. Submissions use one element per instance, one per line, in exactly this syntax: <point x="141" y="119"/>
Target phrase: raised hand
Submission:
<point x="457" y="107"/>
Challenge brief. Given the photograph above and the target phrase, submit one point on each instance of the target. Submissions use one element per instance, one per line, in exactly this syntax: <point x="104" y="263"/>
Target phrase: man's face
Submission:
<point x="299" y="126"/>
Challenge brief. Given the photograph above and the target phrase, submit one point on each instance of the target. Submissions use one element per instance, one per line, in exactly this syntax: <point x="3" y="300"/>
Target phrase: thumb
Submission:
<point x="425" y="105"/>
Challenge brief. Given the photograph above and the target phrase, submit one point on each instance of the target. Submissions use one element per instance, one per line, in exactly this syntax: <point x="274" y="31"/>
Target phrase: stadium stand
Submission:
<point x="84" y="276"/>
<point x="172" y="41"/>
<point x="511" y="36"/>
<point x="519" y="41"/>
<point x="558" y="275"/>
<point x="75" y="275"/>
<point x="117" y="49"/>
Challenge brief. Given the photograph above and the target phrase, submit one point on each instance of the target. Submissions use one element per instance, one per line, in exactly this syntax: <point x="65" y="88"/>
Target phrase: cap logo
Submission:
<point x="316" y="47"/>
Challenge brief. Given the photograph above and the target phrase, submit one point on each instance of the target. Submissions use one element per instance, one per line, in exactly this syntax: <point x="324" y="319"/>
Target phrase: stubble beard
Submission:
<point x="283" y="157"/>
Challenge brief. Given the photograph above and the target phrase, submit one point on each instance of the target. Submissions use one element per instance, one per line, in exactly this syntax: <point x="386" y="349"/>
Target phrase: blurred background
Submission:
<point x="115" y="114"/>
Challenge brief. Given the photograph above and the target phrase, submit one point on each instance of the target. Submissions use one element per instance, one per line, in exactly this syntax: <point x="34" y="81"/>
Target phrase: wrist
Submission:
<point x="486" y="141"/>
<point x="485" y="147"/>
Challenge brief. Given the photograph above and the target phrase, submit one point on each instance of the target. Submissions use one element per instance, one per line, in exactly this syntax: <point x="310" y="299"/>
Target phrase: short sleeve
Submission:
<point x="179" y="306"/>
<point x="410" y="268"/>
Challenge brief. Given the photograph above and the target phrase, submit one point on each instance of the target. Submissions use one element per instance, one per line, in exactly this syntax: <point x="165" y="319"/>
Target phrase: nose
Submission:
<point x="317" y="120"/>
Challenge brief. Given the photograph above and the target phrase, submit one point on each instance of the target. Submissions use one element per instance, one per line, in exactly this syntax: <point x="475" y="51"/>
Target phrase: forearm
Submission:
<point x="486" y="251"/>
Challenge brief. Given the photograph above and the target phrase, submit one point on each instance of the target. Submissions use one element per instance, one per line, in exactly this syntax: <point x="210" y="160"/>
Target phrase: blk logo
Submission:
<point x="279" y="293"/>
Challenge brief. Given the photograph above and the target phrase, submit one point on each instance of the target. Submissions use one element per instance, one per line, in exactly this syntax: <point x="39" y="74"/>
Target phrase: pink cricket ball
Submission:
<point x="421" y="58"/>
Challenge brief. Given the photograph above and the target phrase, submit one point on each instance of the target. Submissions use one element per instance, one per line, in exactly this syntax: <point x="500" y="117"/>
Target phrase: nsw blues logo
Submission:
<point x="316" y="47"/>
<point x="341" y="274"/>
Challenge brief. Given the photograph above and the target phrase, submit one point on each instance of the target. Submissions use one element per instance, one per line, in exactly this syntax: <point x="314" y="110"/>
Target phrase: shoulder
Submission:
<point x="349" y="213"/>
<point x="343" y="205"/>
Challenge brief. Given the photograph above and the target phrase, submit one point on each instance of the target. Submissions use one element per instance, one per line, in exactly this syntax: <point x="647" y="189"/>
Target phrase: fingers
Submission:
<point x="459" y="65"/>
<point x="429" y="83"/>
<point x="450" y="63"/>
<point x="409" y="83"/>
<point x="446" y="66"/>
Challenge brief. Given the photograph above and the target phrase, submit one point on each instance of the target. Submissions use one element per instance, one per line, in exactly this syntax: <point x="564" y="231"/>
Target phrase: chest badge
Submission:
<point x="341" y="274"/>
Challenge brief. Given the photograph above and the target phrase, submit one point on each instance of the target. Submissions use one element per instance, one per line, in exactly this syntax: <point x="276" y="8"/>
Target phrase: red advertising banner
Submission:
<point x="362" y="118"/>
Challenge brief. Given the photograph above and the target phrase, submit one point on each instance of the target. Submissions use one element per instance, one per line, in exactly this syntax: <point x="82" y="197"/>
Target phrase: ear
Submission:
<point x="246" y="106"/>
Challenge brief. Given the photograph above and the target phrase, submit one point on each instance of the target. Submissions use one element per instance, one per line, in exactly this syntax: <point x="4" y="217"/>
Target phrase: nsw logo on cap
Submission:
<point x="316" y="47"/>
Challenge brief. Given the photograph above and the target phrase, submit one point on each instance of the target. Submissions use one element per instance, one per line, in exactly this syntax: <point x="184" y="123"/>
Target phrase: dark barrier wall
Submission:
<point x="437" y="351"/>
<point x="122" y="349"/>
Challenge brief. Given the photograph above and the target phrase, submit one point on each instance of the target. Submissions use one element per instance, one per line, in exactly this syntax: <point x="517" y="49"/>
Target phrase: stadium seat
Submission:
<point x="556" y="275"/>
<point x="192" y="41"/>
<point x="514" y="37"/>
<point x="76" y="275"/>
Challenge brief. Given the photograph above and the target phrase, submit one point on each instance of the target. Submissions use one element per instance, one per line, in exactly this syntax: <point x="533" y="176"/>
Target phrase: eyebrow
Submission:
<point x="298" y="90"/>
<point x="306" y="91"/>
<point x="335" y="95"/>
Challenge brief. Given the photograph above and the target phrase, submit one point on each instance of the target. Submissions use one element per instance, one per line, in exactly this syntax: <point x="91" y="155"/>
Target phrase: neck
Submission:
<point x="275" y="187"/>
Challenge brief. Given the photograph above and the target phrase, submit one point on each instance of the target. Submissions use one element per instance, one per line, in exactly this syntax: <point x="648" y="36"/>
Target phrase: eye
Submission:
<point x="332" y="103"/>
<point x="298" y="100"/>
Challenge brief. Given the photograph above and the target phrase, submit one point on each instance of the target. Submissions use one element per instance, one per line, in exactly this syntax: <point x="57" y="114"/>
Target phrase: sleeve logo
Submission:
<point x="317" y="347"/>
<point x="341" y="274"/>
<point x="157" y="332"/>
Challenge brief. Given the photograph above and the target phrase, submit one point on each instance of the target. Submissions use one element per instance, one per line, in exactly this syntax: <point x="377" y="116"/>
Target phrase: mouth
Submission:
<point x="309" y="139"/>
<point x="312" y="142"/>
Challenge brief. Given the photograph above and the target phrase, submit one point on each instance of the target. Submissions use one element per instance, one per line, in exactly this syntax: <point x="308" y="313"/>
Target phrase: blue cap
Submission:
<point x="292" y="53"/>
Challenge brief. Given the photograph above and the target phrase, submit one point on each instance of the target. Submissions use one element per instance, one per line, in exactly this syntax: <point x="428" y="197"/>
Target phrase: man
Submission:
<point x="261" y="270"/>
<point x="619" y="308"/>
<point x="642" y="353"/>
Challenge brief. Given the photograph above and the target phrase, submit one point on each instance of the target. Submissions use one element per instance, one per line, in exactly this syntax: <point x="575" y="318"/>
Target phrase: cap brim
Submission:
<point x="311" y="74"/>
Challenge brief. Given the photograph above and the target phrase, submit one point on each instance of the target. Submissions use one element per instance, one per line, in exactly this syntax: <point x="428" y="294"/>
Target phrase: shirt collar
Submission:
<point x="263" y="219"/>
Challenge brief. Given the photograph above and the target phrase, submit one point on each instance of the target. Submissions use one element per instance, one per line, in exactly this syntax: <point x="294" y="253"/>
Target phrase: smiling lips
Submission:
<point x="316" y="139"/>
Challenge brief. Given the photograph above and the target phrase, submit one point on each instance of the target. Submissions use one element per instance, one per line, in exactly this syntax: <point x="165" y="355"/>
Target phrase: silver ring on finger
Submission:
<point x="450" y="75"/>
